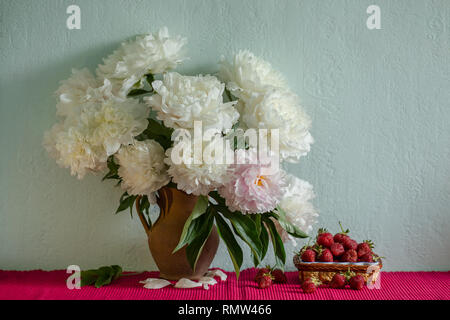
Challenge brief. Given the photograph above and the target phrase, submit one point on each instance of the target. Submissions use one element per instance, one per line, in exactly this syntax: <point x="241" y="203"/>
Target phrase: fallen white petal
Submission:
<point x="217" y="273"/>
<point x="153" y="283"/>
<point x="208" y="280"/>
<point x="186" y="283"/>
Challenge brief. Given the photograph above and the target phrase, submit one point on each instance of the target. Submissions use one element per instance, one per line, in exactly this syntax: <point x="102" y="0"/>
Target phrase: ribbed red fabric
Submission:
<point x="26" y="285"/>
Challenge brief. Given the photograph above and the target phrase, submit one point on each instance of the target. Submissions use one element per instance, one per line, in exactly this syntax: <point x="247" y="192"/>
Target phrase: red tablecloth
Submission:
<point x="52" y="285"/>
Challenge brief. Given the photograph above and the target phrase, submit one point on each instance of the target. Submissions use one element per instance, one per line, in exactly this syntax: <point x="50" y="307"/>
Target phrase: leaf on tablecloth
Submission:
<point x="101" y="276"/>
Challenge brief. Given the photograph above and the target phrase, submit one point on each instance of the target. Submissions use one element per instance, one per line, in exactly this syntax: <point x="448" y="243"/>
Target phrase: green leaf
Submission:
<point x="243" y="225"/>
<point x="158" y="132"/>
<point x="88" y="277"/>
<point x="277" y="243"/>
<point x="126" y="201"/>
<point x="246" y="229"/>
<point x="220" y="201"/>
<point x="264" y="236"/>
<point x="189" y="230"/>
<point x="257" y="219"/>
<point x="101" y="276"/>
<point x="113" y="170"/>
<point x="137" y="92"/>
<point x="233" y="247"/>
<point x="290" y="228"/>
<point x="144" y="205"/>
<point x="157" y="128"/>
<point x="172" y="184"/>
<point x="194" y="249"/>
<point x="150" y="78"/>
<point x="117" y="271"/>
<point x="104" y="279"/>
<point x="228" y="95"/>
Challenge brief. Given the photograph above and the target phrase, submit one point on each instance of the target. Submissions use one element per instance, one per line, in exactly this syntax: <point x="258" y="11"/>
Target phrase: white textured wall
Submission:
<point x="379" y="102"/>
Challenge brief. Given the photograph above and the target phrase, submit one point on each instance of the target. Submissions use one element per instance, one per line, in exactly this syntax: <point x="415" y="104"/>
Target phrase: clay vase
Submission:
<point x="176" y="206"/>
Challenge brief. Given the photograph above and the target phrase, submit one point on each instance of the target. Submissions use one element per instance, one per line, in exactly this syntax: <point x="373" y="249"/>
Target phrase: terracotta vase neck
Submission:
<point x="167" y="196"/>
<point x="166" y="199"/>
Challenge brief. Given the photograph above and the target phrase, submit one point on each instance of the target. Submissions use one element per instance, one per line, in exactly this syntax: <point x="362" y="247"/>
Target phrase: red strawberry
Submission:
<point x="337" y="249"/>
<point x="339" y="237"/>
<point x="326" y="256"/>
<point x="357" y="282"/>
<point x="265" y="281"/>
<point x="368" y="257"/>
<point x="309" y="255"/>
<point x="279" y="276"/>
<point x="308" y="286"/>
<point x="349" y="243"/>
<point x="364" y="248"/>
<point x="349" y="256"/>
<point x="324" y="238"/>
<point x="261" y="273"/>
<point x="338" y="281"/>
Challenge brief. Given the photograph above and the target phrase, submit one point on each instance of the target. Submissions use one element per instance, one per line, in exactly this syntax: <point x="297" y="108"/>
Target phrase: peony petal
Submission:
<point x="153" y="283"/>
<point x="216" y="273"/>
<point x="208" y="280"/>
<point x="186" y="284"/>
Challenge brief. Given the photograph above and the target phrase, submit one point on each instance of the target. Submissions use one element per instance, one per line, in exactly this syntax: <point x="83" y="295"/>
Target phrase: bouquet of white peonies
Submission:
<point x="219" y="137"/>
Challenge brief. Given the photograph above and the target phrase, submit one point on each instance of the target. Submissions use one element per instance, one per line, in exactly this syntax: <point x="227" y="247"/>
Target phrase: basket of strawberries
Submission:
<point x="338" y="254"/>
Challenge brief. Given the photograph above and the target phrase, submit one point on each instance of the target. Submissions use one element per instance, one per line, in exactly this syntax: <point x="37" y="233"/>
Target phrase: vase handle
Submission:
<point x="141" y="215"/>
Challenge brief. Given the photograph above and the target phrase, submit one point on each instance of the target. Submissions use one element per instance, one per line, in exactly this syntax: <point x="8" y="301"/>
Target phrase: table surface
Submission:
<point x="39" y="284"/>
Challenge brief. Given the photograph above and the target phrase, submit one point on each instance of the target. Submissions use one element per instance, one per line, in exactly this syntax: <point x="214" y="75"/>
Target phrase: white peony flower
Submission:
<point x="296" y="203"/>
<point x="181" y="100"/>
<point x="142" y="168"/>
<point x="94" y="126"/>
<point x="114" y="123"/>
<point x="70" y="148"/>
<point x="249" y="189"/>
<point x="248" y="74"/>
<point x="280" y="109"/>
<point x="73" y="91"/>
<point x="267" y="103"/>
<point x="78" y="91"/>
<point x="198" y="179"/>
<point x="148" y="54"/>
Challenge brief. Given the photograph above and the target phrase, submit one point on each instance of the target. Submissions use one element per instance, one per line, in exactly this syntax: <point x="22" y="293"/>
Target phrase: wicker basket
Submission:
<point x="324" y="271"/>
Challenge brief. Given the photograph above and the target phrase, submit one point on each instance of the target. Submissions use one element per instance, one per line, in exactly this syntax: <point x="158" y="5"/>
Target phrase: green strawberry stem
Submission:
<point x="370" y="243"/>
<point x="342" y="229"/>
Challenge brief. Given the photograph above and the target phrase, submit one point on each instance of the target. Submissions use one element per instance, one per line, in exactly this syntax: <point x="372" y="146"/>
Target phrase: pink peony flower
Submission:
<point x="250" y="190"/>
